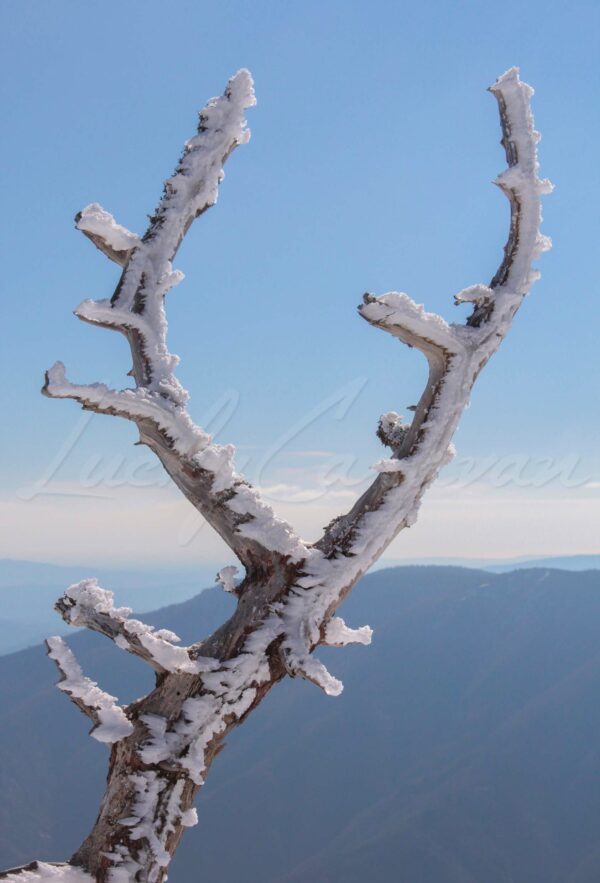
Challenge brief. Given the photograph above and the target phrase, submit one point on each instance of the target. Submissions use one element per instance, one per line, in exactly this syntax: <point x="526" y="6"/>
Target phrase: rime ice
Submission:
<point x="288" y="600"/>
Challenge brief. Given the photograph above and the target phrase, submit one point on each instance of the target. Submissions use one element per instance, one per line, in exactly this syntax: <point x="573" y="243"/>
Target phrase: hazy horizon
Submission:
<point x="374" y="142"/>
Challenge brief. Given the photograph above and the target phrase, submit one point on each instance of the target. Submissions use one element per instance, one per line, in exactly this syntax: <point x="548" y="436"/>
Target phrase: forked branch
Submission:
<point x="204" y="471"/>
<point x="291" y="591"/>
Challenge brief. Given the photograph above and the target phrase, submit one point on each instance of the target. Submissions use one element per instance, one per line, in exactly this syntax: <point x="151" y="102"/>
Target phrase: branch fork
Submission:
<point x="287" y="601"/>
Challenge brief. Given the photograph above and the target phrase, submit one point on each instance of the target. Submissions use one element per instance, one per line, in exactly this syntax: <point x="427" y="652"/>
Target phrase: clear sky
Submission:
<point x="373" y="146"/>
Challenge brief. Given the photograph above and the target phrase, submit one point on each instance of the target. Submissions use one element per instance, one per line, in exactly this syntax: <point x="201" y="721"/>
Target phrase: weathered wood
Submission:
<point x="291" y="589"/>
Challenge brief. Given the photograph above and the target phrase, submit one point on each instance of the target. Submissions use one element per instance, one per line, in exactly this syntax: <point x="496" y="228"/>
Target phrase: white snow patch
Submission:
<point x="226" y="577"/>
<point x="94" y="219"/>
<point x="189" y="818"/>
<point x="59" y="873"/>
<point x="338" y="634"/>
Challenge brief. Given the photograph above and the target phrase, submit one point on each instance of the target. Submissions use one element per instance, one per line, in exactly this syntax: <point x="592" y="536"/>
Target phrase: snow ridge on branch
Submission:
<point x="291" y="591"/>
<point x="115" y="241"/>
<point x="110" y="721"/>
<point x="456" y="353"/>
<point x="137" y="310"/>
<point x="87" y="604"/>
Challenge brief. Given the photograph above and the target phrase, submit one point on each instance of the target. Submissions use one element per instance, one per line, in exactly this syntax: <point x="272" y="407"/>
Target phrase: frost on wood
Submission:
<point x="110" y="721"/>
<point x="86" y="604"/>
<point x="158" y="403"/>
<point x="287" y="600"/>
<point x="115" y="241"/>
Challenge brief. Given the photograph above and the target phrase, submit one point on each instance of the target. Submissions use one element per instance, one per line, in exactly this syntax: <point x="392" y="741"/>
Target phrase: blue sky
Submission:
<point x="373" y="146"/>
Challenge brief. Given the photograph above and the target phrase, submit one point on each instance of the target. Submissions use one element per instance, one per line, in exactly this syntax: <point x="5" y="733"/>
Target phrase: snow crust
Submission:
<point x="388" y="464"/>
<point x="156" y="814"/>
<point x="521" y="179"/>
<point x="189" y="818"/>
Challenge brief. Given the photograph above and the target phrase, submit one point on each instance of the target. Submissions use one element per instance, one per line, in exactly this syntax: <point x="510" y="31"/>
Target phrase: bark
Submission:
<point x="291" y="589"/>
<point x="166" y="701"/>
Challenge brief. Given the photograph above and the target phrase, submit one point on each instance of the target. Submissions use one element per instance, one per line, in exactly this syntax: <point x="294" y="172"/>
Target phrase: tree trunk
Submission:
<point x="147" y="805"/>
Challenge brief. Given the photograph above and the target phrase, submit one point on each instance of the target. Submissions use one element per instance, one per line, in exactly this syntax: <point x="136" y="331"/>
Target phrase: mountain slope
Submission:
<point x="464" y="747"/>
<point x="29" y="590"/>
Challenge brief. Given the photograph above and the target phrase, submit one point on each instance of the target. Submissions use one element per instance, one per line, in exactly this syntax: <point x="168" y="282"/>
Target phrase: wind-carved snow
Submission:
<point x="388" y="465"/>
<point x="149" y="787"/>
<point x="396" y="311"/>
<point x="474" y="294"/>
<point x="140" y="404"/>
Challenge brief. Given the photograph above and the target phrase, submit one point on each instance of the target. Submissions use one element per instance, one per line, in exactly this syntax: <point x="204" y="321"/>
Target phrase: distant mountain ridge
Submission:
<point x="29" y="589"/>
<point x="464" y="748"/>
<point x="504" y="565"/>
<point x="560" y="562"/>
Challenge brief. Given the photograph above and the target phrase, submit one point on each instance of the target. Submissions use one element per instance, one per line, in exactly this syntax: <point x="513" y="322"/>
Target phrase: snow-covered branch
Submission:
<point x="113" y="240"/>
<point x="297" y="648"/>
<point x="140" y="404"/>
<point x="204" y="471"/>
<point x="87" y="604"/>
<point x="110" y="721"/>
<point x="397" y="313"/>
<point x="338" y="634"/>
<point x="287" y="601"/>
<point x="456" y="353"/>
<point x="524" y="189"/>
